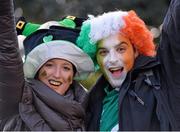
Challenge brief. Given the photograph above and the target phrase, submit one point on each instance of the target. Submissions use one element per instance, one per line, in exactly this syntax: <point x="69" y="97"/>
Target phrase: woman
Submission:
<point x="48" y="99"/>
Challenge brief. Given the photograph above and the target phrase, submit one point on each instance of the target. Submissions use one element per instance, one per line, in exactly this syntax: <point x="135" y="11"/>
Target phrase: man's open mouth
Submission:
<point x="116" y="72"/>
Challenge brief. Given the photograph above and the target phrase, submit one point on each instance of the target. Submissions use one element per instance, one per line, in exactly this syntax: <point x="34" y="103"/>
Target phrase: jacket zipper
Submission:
<point x="133" y="94"/>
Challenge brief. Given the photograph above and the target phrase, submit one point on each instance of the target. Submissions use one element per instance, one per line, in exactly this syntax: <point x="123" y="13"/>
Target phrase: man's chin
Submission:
<point x="114" y="81"/>
<point x="115" y="84"/>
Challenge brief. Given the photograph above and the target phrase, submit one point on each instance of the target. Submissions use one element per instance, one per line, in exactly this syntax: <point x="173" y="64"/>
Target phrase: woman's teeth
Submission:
<point x="55" y="83"/>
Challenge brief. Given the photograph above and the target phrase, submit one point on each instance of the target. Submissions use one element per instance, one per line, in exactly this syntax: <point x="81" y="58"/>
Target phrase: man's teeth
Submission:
<point x="53" y="82"/>
<point x="115" y="69"/>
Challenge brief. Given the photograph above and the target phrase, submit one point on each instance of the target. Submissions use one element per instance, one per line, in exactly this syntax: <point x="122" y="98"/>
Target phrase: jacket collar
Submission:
<point x="145" y="62"/>
<point x="48" y="109"/>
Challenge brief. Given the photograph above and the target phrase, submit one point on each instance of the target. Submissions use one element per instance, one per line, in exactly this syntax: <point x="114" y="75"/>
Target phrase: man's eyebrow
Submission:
<point x="121" y="43"/>
<point x="99" y="48"/>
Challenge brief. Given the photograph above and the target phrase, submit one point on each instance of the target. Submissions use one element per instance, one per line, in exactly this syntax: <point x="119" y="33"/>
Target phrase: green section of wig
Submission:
<point x="86" y="44"/>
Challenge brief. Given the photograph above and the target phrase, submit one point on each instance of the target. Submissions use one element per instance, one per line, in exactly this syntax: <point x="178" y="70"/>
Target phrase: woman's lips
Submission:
<point x="55" y="83"/>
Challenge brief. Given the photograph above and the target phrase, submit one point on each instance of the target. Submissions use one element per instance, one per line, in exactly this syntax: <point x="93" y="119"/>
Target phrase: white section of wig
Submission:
<point x="106" y="24"/>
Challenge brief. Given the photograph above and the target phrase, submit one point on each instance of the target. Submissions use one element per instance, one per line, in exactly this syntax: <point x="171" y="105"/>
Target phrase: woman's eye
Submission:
<point x="48" y="65"/>
<point x="67" y="68"/>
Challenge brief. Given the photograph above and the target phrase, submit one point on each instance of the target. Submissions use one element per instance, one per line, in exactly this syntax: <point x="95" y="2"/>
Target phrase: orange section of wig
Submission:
<point x="139" y="35"/>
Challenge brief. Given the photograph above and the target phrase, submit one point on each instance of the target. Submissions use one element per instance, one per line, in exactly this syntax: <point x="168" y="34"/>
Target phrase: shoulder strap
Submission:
<point x="154" y="81"/>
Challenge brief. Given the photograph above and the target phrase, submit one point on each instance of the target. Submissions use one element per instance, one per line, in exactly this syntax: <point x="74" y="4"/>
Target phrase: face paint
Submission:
<point x="43" y="74"/>
<point x="115" y="57"/>
<point x="69" y="79"/>
<point x="57" y="74"/>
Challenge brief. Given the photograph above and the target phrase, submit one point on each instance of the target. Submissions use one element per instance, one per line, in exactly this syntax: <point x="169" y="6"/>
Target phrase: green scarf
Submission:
<point x="109" y="115"/>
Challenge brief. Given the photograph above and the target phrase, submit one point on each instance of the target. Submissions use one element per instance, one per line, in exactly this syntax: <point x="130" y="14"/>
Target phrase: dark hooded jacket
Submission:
<point x="149" y="97"/>
<point x="142" y="105"/>
<point x="30" y="104"/>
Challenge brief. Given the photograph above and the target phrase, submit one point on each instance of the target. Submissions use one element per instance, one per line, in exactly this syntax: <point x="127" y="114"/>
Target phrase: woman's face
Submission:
<point x="115" y="57"/>
<point x="57" y="74"/>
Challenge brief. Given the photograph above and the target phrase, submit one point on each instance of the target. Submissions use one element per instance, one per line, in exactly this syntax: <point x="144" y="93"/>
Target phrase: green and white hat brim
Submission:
<point x="58" y="49"/>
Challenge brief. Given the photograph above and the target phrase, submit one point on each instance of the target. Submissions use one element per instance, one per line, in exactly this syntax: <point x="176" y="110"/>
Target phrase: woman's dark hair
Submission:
<point x="74" y="70"/>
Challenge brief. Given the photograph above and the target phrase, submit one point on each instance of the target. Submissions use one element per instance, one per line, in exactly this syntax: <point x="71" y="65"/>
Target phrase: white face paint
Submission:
<point x="115" y="57"/>
<point x="113" y="67"/>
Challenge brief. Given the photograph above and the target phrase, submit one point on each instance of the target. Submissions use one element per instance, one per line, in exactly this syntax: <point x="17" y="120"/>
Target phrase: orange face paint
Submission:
<point x="115" y="57"/>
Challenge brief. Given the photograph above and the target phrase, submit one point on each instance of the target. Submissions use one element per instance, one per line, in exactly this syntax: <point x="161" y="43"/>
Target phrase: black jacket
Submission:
<point x="30" y="104"/>
<point x="142" y="106"/>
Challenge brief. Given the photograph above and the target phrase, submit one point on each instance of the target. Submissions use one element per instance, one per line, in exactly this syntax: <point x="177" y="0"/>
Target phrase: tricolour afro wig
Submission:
<point x="126" y="23"/>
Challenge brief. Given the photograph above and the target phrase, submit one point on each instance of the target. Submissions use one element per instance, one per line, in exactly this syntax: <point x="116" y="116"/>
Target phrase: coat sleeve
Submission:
<point x="169" y="55"/>
<point x="11" y="66"/>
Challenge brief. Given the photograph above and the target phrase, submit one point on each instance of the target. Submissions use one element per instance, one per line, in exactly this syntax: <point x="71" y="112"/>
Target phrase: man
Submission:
<point x="133" y="93"/>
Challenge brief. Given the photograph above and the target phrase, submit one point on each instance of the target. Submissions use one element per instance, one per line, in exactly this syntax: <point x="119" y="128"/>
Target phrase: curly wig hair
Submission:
<point x="126" y="23"/>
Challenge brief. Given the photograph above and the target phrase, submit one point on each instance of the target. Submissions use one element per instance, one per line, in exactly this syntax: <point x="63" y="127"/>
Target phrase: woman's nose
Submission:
<point x="57" y="73"/>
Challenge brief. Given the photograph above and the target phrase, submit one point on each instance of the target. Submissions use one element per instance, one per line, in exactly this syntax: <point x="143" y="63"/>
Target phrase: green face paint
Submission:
<point x="43" y="74"/>
<point x="70" y="79"/>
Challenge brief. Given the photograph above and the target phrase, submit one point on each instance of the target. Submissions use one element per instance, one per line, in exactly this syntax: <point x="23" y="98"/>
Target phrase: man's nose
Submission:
<point x="113" y="57"/>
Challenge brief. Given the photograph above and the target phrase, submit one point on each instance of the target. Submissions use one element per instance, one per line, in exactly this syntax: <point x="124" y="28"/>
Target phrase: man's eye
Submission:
<point x="120" y="49"/>
<point x="103" y="52"/>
